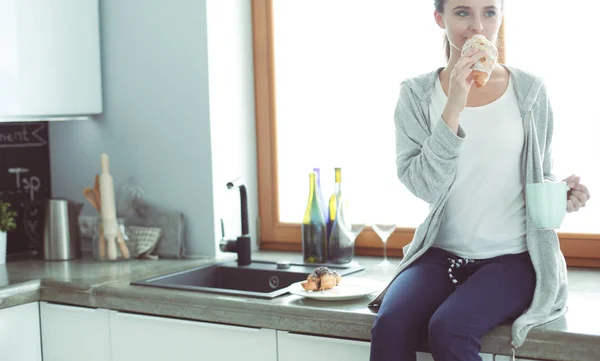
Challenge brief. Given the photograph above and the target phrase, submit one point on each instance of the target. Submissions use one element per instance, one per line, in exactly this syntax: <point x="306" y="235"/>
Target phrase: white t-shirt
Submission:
<point x="485" y="214"/>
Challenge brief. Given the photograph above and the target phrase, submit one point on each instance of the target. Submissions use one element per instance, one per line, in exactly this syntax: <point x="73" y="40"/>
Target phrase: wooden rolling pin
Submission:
<point x="101" y="241"/>
<point x="110" y="227"/>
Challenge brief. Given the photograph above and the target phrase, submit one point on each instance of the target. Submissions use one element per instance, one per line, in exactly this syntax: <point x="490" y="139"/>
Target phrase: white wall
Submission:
<point x="231" y="87"/>
<point x="157" y="121"/>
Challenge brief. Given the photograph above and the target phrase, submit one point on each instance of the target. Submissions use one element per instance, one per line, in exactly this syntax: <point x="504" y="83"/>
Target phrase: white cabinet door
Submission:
<point x="20" y="333"/>
<point x="50" y="62"/>
<point x="427" y="357"/>
<point x="74" y="333"/>
<point x="486" y="357"/>
<point x="150" y="338"/>
<point x="296" y="347"/>
<point x="421" y="356"/>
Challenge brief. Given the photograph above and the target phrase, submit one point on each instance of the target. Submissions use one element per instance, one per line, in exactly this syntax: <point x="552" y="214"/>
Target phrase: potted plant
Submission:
<point x="7" y="223"/>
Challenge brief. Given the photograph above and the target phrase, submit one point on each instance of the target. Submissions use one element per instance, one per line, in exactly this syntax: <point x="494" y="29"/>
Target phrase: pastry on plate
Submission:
<point x="482" y="69"/>
<point x="322" y="278"/>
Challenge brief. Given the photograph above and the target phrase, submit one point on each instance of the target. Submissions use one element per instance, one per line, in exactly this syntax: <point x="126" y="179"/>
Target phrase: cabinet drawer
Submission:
<point x="71" y="333"/>
<point x="152" y="338"/>
<point x="296" y="347"/>
<point x="508" y="358"/>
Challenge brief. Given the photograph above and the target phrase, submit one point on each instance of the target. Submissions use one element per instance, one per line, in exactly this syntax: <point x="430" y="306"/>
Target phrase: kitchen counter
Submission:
<point x="89" y="283"/>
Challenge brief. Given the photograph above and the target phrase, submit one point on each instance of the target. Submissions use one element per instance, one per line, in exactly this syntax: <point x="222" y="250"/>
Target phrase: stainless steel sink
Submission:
<point x="259" y="279"/>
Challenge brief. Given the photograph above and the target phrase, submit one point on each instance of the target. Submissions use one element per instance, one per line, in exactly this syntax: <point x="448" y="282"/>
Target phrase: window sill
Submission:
<point x="580" y="250"/>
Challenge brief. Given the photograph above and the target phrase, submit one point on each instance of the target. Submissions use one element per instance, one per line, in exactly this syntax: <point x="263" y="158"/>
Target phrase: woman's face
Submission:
<point x="465" y="18"/>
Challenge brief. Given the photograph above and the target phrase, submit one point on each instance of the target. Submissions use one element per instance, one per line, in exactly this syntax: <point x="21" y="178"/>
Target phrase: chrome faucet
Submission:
<point x="242" y="244"/>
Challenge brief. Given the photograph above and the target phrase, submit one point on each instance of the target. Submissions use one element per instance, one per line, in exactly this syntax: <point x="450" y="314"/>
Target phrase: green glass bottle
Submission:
<point x="314" y="228"/>
<point x="338" y="250"/>
<point x="333" y="200"/>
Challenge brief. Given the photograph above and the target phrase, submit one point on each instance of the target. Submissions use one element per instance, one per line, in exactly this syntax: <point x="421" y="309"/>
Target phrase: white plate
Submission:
<point x="348" y="289"/>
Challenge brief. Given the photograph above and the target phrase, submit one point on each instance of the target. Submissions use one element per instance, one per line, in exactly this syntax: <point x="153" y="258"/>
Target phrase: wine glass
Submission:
<point x="384" y="230"/>
<point x="350" y="222"/>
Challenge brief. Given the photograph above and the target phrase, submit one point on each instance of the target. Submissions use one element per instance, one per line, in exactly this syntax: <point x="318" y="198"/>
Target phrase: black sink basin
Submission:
<point x="259" y="279"/>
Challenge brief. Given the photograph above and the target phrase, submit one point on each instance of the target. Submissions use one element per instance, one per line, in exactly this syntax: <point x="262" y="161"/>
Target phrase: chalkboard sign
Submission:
<point x="25" y="181"/>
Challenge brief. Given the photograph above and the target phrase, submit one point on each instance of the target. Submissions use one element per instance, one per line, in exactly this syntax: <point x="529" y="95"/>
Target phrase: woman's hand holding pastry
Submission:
<point x="458" y="90"/>
<point x="461" y="81"/>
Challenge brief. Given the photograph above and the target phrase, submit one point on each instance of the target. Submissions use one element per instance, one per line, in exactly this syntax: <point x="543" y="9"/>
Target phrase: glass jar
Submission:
<point x="97" y="248"/>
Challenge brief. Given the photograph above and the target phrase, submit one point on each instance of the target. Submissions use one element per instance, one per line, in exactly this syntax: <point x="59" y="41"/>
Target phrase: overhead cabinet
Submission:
<point x="50" y="64"/>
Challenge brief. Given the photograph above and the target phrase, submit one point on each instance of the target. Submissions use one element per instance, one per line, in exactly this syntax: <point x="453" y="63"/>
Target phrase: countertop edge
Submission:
<point x="296" y="316"/>
<point x="543" y="344"/>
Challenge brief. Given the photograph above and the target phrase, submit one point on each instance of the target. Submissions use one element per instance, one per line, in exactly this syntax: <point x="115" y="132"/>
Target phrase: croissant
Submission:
<point x="322" y="278"/>
<point x="482" y="69"/>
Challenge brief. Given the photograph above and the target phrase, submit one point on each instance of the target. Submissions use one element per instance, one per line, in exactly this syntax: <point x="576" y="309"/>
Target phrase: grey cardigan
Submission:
<point x="426" y="164"/>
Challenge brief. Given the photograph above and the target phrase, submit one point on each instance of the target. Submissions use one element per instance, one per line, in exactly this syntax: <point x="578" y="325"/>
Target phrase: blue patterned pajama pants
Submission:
<point x="448" y="303"/>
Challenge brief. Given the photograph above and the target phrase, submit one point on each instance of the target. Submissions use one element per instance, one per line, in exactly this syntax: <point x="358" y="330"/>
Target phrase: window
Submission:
<point x="574" y="98"/>
<point x="327" y="80"/>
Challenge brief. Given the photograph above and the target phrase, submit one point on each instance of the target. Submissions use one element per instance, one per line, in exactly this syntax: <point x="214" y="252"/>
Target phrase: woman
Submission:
<point x="476" y="261"/>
